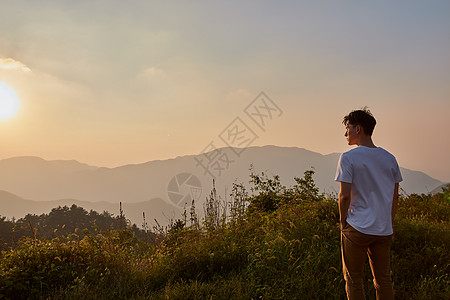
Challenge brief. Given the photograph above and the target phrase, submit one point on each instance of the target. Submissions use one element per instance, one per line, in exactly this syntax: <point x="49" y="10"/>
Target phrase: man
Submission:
<point x="369" y="177"/>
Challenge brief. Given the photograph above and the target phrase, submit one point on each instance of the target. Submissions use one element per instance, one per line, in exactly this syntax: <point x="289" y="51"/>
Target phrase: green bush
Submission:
<point x="37" y="267"/>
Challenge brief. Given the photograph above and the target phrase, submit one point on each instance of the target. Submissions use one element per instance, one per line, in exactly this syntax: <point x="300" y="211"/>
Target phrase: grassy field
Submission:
<point x="274" y="243"/>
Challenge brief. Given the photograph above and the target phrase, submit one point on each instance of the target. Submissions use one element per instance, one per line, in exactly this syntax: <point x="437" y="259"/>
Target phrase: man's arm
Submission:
<point x="394" y="203"/>
<point x="344" y="202"/>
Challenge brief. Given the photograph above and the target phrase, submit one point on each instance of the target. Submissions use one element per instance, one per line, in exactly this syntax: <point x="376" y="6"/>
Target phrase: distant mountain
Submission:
<point x="440" y="188"/>
<point x="15" y="206"/>
<point x="163" y="184"/>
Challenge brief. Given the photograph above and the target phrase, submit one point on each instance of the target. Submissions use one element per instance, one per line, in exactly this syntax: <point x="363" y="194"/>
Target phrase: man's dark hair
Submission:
<point x="362" y="117"/>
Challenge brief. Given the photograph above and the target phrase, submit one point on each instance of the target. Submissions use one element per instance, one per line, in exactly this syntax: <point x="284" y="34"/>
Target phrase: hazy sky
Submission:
<point x="117" y="82"/>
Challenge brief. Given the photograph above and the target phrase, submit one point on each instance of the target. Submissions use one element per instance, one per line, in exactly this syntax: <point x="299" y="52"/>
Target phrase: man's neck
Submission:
<point x="366" y="141"/>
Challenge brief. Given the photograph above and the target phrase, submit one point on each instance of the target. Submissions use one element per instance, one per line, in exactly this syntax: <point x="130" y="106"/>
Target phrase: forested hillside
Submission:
<point x="61" y="222"/>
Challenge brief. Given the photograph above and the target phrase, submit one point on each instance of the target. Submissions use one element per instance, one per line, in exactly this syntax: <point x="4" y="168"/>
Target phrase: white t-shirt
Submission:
<point x="373" y="173"/>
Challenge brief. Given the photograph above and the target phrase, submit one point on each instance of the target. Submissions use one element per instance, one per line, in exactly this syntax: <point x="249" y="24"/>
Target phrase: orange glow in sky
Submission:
<point x="112" y="82"/>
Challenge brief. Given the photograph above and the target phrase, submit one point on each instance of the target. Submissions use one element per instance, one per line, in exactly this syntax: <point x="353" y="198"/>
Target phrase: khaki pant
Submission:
<point x="355" y="247"/>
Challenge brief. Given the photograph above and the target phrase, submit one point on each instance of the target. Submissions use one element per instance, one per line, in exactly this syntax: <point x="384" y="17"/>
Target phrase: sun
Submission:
<point x="9" y="102"/>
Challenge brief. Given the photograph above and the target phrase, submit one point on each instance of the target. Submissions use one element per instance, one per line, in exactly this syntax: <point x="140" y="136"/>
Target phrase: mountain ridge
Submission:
<point x="132" y="211"/>
<point x="137" y="183"/>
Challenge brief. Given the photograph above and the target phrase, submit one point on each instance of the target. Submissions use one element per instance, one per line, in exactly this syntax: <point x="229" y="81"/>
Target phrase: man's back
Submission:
<point x="373" y="173"/>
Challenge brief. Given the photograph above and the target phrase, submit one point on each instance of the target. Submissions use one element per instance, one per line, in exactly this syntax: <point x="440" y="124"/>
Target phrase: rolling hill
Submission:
<point x="158" y="187"/>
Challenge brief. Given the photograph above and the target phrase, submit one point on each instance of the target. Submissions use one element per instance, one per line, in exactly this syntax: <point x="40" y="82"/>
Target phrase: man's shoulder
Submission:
<point x="363" y="149"/>
<point x="367" y="152"/>
<point x="386" y="153"/>
<point x="353" y="151"/>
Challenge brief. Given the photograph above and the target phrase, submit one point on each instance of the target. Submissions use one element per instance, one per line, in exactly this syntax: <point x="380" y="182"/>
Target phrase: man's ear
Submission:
<point x="358" y="129"/>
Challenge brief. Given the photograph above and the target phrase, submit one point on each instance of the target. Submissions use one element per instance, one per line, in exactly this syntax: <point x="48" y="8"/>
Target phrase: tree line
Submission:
<point x="61" y="222"/>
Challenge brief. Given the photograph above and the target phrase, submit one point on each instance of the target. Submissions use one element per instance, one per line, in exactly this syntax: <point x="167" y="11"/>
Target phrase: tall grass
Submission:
<point x="288" y="249"/>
